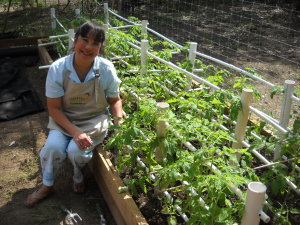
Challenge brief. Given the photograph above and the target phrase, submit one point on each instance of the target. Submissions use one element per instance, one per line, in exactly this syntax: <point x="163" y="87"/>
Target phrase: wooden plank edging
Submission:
<point x="44" y="55"/>
<point x="121" y="205"/>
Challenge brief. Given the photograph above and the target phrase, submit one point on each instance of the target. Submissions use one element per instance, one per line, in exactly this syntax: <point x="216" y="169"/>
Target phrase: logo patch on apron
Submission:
<point x="80" y="100"/>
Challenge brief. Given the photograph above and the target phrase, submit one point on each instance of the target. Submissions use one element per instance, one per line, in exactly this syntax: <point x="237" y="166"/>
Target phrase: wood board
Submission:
<point x="121" y="205"/>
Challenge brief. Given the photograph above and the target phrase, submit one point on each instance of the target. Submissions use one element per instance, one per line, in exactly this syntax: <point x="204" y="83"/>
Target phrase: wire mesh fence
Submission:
<point x="241" y="32"/>
<point x="261" y="36"/>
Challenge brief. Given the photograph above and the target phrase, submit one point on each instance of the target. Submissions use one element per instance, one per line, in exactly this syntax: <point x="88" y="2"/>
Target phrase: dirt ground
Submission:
<point x="21" y="140"/>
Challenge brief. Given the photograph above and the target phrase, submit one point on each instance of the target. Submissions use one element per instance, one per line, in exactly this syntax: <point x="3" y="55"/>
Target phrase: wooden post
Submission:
<point x="254" y="202"/>
<point x="121" y="205"/>
<point x="106" y="19"/>
<point x="160" y="152"/>
<point x="53" y="21"/>
<point x="71" y="38"/>
<point x="106" y="42"/>
<point x="144" y="28"/>
<point x="241" y="125"/>
<point x="144" y="49"/>
<point x="77" y="13"/>
<point x="192" y="57"/>
<point x="285" y="113"/>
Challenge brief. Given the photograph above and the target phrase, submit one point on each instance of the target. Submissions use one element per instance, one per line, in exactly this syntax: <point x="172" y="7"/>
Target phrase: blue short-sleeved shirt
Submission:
<point x="109" y="79"/>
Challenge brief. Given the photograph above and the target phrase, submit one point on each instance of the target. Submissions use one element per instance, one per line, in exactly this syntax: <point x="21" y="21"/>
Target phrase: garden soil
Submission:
<point x="21" y="140"/>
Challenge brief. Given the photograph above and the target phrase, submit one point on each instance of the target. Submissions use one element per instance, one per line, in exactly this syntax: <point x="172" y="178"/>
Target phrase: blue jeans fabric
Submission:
<point x="57" y="148"/>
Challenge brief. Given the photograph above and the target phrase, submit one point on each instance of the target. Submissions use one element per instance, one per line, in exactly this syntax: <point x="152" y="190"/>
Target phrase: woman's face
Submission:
<point x="86" y="49"/>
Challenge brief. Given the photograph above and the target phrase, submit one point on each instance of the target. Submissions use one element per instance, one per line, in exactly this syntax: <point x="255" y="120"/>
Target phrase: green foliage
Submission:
<point x="275" y="90"/>
<point x="197" y="117"/>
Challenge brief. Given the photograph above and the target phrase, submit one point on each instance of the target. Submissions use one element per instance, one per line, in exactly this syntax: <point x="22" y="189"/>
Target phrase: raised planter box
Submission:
<point x="44" y="55"/>
<point x="121" y="205"/>
<point x="19" y="46"/>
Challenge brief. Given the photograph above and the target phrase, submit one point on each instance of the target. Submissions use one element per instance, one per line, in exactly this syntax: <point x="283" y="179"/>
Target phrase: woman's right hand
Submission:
<point x="83" y="140"/>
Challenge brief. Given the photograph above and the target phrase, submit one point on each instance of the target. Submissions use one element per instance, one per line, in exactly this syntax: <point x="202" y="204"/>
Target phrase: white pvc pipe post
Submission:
<point x="241" y="125"/>
<point x="71" y="38"/>
<point x="285" y="110"/>
<point x="192" y="57"/>
<point x="160" y="152"/>
<point x="254" y="202"/>
<point x="144" y="28"/>
<point x="106" y="20"/>
<point x="77" y="13"/>
<point x="144" y="49"/>
<point x="53" y="21"/>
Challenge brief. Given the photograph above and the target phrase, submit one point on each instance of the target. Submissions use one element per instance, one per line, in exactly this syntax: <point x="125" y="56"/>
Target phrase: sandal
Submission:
<point x="36" y="197"/>
<point x="79" y="187"/>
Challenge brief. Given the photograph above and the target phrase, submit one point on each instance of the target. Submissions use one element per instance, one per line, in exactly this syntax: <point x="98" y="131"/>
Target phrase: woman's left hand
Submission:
<point x="83" y="140"/>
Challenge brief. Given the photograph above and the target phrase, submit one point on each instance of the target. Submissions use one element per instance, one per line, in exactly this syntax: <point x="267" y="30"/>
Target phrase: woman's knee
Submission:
<point x="55" y="146"/>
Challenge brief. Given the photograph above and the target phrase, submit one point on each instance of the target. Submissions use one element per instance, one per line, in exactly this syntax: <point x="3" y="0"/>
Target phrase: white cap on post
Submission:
<point x="254" y="201"/>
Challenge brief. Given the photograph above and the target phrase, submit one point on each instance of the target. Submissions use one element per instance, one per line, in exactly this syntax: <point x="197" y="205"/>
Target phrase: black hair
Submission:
<point x="99" y="33"/>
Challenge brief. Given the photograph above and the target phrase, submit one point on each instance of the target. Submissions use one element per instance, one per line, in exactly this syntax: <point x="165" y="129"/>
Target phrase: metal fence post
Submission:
<point x="241" y="125"/>
<point x="144" y="49"/>
<point x="285" y="110"/>
<point x="53" y="21"/>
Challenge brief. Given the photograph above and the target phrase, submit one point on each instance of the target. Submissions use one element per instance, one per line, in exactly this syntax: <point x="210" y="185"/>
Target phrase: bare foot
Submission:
<point x="38" y="195"/>
<point x="79" y="187"/>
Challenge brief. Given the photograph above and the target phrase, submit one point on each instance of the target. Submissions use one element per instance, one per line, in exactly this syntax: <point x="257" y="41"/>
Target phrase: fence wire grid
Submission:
<point x="237" y="31"/>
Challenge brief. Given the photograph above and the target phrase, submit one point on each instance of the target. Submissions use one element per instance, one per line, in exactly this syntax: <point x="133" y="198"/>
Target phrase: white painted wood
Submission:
<point x="192" y="57"/>
<point x="53" y="20"/>
<point x="144" y="49"/>
<point x="106" y="15"/>
<point x="243" y="116"/>
<point x="285" y="113"/>
<point x="77" y="13"/>
<point x="144" y="28"/>
<point x="71" y="38"/>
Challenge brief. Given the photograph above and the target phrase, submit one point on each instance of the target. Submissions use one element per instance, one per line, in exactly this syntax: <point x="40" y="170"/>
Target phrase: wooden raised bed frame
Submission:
<point x="121" y="205"/>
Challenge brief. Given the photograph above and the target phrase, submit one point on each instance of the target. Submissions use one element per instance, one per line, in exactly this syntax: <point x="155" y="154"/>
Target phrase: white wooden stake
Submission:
<point x="254" y="202"/>
<point x="192" y="52"/>
<point x="71" y="38"/>
<point x="285" y="110"/>
<point x="192" y="57"/>
<point x="241" y="125"/>
<point x="77" y="13"/>
<point x="106" y="20"/>
<point x="160" y="152"/>
<point x="106" y="42"/>
<point x="144" y="49"/>
<point x="53" y="21"/>
<point x="144" y="28"/>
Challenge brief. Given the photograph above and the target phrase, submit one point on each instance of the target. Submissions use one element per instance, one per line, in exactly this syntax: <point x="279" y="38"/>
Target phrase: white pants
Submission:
<point x="57" y="148"/>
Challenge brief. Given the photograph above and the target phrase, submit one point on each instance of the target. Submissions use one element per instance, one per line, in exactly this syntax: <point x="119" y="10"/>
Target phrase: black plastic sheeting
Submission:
<point x="17" y="97"/>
